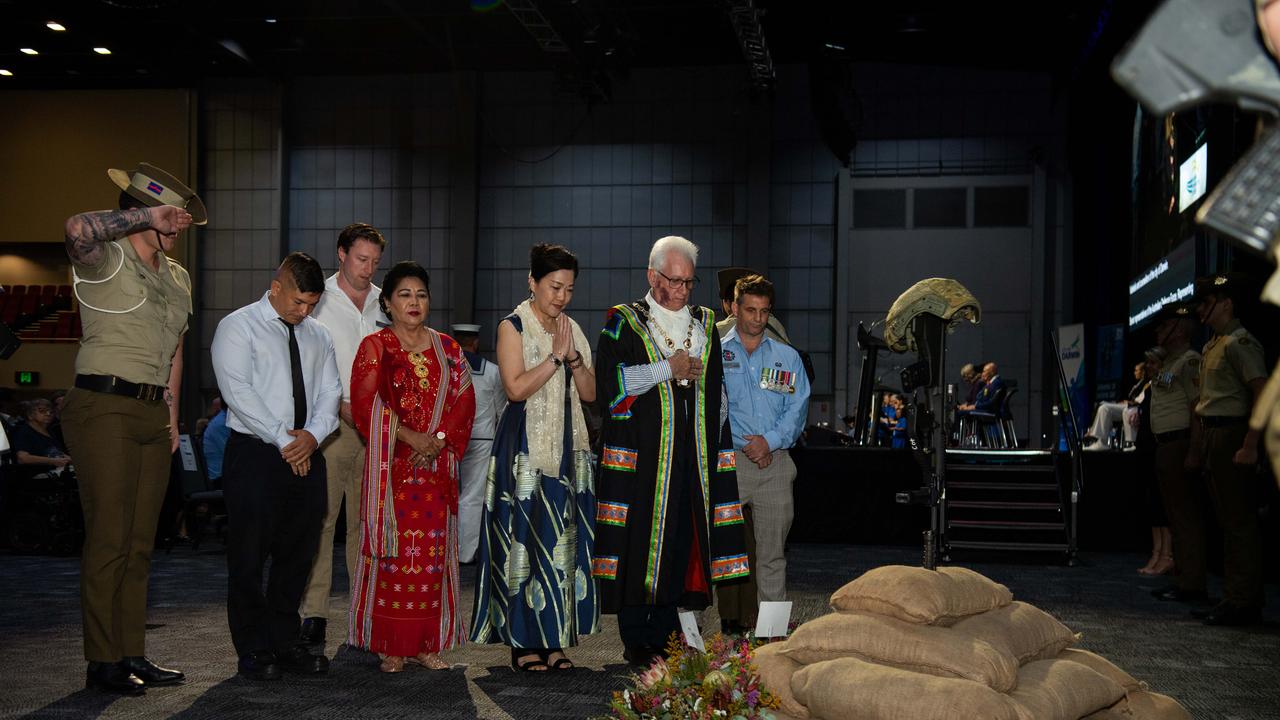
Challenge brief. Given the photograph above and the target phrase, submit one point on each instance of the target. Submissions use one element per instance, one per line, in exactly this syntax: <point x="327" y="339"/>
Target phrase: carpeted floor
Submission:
<point x="1217" y="673"/>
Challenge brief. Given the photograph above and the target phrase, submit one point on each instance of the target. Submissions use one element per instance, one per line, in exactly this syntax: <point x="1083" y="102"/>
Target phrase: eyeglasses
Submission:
<point x="677" y="283"/>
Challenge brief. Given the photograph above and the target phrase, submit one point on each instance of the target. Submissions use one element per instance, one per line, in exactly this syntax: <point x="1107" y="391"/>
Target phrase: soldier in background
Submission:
<point x="1232" y="379"/>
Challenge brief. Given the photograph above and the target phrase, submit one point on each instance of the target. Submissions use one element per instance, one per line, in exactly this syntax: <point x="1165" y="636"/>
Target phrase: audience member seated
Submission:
<point x="214" y="444"/>
<point x="887" y="421"/>
<point x="1124" y="412"/>
<point x="35" y="448"/>
<point x="898" y="436"/>
<point x="971" y="375"/>
<point x="989" y="394"/>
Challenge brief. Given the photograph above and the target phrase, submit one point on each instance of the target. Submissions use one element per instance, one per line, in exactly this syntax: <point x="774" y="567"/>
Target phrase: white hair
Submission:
<point x="661" y="248"/>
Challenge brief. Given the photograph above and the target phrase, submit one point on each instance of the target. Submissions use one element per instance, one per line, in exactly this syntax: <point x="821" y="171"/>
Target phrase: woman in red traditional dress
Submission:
<point x="412" y="399"/>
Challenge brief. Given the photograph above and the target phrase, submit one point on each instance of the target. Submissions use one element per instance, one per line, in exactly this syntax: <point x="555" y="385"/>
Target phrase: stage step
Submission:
<point x="1005" y="500"/>
<point x="970" y="485"/>
<point x="1015" y="546"/>
<point x="1007" y="525"/>
<point x="1004" y="505"/>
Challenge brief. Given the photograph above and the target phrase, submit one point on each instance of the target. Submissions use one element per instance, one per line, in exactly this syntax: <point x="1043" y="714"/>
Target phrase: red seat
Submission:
<point x="30" y="303"/>
<point x="64" y="291"/>
<point x="18" y="290"/>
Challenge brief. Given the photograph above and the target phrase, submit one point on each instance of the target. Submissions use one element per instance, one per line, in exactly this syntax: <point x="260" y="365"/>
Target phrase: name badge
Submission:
<point x="779" y="381"/>
<point x="731" y="365"/>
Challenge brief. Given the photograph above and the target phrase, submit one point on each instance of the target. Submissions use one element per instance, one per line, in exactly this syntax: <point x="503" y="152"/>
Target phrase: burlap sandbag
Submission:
<point x="776" y="670"/>
<point x="1102" y="666"/>
<point x="851" y="689"/>
<point x="1143" y="706"/>
<point x="1062" y="690"/>
<point x="923" y="596"/>
<point x="1024" y="631"/>
<point x="880" y="639"/>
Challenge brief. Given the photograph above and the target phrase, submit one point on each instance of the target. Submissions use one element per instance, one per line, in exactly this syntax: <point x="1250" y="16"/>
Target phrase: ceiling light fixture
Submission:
<point x="28" y="51"/>
<point x="271" y="21"/>
<point x="55" y="26"/>
<point x="5" y="73"/>
<point x="102" y="51"/>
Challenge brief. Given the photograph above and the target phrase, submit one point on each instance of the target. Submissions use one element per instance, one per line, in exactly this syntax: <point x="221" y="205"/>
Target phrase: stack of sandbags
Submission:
<point x="907" y="643"/>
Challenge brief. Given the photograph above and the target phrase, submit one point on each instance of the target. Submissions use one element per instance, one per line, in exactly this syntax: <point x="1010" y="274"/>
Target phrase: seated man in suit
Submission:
<point x="992" y="384"/>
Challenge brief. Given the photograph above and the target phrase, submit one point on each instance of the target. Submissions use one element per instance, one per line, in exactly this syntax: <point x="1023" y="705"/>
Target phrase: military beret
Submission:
<point x="728" y="276"/>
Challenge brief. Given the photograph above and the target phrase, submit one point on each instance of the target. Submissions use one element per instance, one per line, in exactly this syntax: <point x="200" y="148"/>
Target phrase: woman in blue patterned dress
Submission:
<point x="534" y="591"/>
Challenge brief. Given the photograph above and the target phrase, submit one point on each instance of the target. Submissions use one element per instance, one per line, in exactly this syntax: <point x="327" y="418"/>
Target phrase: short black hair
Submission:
<point x="360" y="231"/>
<point x="545" y="259"/>
<point x="129" y="202"/>
<point x="396" y="275"/>
<point x="305" y="272"/>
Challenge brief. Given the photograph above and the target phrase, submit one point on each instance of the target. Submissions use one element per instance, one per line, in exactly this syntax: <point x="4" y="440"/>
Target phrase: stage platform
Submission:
<point x="846" y="495"/>
<point x="1218" y="673"/>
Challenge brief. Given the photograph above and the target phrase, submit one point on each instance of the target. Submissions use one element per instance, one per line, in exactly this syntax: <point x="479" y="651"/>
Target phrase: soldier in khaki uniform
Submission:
<point x="1231" y="381"/>
<point x="1174" y="395"/>
<point x="121" y="419"/>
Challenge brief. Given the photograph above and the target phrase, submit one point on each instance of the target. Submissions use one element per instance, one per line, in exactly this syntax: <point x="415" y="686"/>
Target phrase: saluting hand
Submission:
<point x="170" y="220"/>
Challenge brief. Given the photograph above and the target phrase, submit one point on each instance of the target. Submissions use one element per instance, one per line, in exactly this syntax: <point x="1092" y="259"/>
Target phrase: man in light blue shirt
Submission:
<point x="276" y="369"/>
<point x="768" y="406"/>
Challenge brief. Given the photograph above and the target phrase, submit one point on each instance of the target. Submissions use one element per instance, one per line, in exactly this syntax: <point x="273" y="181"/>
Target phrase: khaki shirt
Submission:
<point x="1231" y="361"/>
<point x="1173" y="392"/>
<point x="133" y="316"/>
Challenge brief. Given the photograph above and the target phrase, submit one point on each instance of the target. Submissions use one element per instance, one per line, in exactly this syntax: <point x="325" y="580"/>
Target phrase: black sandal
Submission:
<point x="538" y="663"/>
<point x="563" y="663"/>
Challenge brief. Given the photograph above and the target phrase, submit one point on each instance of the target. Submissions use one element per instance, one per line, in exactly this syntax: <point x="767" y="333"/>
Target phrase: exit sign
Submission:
<point x="26" y="377"/>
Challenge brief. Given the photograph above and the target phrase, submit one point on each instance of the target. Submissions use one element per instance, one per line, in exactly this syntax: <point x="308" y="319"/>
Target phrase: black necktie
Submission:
<point x="299" y="389"/>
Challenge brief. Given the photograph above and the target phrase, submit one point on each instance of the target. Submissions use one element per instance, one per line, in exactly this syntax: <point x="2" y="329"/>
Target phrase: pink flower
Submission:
<point x="657" y="675"/>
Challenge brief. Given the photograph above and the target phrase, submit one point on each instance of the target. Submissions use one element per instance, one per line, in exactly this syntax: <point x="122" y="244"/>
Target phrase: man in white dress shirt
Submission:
<point x="349" y="309"/>
<point x="275" y="366"/>
<point x="491" y="398"/>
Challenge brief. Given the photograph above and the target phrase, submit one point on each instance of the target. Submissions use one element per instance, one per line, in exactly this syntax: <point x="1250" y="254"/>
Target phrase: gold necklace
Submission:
<point x="688" y="338"/>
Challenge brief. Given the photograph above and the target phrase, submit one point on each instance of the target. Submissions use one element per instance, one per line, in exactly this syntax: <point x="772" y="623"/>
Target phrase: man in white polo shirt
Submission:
<point x="349" y="309"/>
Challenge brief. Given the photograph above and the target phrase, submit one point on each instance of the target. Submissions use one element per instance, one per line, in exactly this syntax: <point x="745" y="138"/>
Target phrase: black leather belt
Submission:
<point x="117" y="386"/>
<point x="1173" y="435"/>
<point x="1217" y="421"/>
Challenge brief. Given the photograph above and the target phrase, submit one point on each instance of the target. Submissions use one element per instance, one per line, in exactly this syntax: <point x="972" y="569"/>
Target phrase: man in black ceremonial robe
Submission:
<point x="668" y="520"/>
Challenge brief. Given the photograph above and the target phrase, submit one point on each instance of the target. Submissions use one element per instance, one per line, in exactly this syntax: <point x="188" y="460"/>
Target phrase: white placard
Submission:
<point x="692" y="637"/>
<point x="773" y="619"/>
<point x="188" y="453"/>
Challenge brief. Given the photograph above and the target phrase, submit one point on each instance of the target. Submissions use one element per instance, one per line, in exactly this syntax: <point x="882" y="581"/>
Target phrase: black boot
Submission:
<point x="113" y="678"/>
<point x="152" y="674"/>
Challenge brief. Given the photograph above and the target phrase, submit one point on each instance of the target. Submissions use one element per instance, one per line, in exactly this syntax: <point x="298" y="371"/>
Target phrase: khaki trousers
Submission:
<point x="121" y="450"/>
<point x="1231" y="487"/>
<point x="344" y="454"/>
<point x="768" y="492"/>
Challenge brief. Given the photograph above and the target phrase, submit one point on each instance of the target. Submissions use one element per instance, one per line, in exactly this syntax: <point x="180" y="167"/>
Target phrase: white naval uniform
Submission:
<point x="491" y="399"/>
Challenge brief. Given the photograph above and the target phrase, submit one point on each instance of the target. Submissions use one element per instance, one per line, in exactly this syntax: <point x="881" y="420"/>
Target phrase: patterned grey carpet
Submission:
<point x="1219" y="674"/>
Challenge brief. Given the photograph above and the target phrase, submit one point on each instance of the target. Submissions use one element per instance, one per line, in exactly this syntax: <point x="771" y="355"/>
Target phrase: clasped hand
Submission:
<point x="298" y="452"/>
<point x="425" y="448"/>
<point x="562" y="338"/>
<point x="685" y="366"/>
